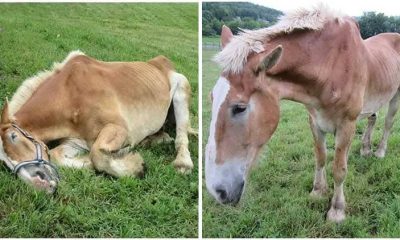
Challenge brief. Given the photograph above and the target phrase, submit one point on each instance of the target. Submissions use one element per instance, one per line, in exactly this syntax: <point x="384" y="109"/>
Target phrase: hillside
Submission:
<point x="236" y="15"/>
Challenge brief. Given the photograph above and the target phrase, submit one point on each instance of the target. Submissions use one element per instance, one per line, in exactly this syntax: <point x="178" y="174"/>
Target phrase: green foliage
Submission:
<point x="276" y="201"/>
<point x="236" y="15"/>
<point x="89" y="204"/>
<point x="372" y="23"/>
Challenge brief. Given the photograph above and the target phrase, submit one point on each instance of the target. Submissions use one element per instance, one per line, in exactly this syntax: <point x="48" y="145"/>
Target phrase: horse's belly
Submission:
<point x="373" y="103"/>
<point x="143" y="120"/>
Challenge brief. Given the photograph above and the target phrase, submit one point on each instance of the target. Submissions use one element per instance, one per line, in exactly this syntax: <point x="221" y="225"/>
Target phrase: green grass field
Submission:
<point x="276" y="202"/>
<point x="164" y="203"/>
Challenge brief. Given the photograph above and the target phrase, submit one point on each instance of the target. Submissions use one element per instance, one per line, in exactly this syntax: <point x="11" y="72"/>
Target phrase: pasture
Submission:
<point x="276" y="201"/>
<point x="88" y="204"/>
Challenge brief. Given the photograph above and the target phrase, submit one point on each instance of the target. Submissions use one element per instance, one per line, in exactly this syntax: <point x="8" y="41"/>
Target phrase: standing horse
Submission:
<point x="318" y="58"/>
<point x="89" y="105"/>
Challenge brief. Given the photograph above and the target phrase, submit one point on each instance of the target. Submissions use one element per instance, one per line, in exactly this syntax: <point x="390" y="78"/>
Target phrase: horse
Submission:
<point x="316" y="57"/>
<point x="94" y="112"/>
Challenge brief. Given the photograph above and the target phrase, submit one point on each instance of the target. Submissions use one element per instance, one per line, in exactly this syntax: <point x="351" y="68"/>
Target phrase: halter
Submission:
<point x="39" y="156"/>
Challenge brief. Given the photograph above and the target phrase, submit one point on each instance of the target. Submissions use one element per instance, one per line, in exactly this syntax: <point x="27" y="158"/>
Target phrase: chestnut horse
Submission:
<point x="94" y="107"/>
<point x="318" y="58"/>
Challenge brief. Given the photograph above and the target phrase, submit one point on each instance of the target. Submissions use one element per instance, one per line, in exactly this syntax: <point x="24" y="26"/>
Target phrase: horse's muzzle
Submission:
<point x="231" y="194"/>
<point x="40" y="176"/>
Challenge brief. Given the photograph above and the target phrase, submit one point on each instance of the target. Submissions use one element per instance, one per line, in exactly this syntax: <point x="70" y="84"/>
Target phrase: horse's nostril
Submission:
<point x="40" y="175"/>
<point x="222" y="194"/>
<point x="241" y="185"/>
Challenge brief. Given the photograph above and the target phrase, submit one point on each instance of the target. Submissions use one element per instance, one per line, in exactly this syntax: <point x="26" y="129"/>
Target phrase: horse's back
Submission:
<point x="135" y="94"/>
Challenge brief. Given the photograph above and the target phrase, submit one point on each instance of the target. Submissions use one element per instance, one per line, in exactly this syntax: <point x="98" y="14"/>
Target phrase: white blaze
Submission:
<point x="219" y="93"/>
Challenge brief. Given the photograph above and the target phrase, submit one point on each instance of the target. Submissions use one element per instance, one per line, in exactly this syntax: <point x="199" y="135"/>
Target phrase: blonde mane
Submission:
<point x="234" y="56"/>
<point x="29" y="86"/>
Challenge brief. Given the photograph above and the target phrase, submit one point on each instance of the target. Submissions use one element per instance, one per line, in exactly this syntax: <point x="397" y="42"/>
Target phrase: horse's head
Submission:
<point x="26" y="156"/>
<point x="245" y="114"/>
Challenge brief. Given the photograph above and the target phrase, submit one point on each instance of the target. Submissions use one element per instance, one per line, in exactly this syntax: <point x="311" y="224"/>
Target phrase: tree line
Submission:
<point x="251" y="16"/>
<point x="372" y="23"/>
<point x="236" y="15"/>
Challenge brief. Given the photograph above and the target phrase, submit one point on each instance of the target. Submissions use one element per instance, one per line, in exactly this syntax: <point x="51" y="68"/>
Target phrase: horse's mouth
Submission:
<point x="49" y="186"/>
<point x="40" y="178"/>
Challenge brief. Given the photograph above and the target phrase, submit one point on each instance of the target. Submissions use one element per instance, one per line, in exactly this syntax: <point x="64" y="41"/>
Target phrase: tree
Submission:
<point x="372" y="24"/>
<point x="236" y="15"/>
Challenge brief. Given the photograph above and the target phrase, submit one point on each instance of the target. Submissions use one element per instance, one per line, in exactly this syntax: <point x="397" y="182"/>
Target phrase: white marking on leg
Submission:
<point x="68" y="154"/>
<point x="319" y="185"/>
<point x="336" y="212"/>
<point x="393" y="107"/>
<point x="180" y="98"/>
<point x="366" y="139"/>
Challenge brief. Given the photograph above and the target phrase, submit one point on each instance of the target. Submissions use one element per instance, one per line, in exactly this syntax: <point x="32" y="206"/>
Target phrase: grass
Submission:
<point x="277" y="203"/>
<point x="164" y="203"/>
<point x="211" y="40"/>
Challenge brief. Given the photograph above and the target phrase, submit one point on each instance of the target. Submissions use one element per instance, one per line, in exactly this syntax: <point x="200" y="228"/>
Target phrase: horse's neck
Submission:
<point x="293" y="91"/>
<point x="41" y="117"/>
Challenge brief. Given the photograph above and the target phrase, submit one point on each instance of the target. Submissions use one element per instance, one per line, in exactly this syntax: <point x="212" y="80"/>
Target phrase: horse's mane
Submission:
<point x="29" y="86"/>
<point x="234" y="56"/>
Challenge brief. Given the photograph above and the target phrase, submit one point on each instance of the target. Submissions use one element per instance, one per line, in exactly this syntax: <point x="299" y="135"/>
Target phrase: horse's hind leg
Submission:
<point x="183" y="163"/>
<point x="109" y="155"/>
<point x="366" y="139"/>
<point x="393" y="107"/>
<point x="157" y="138"/>
<point x="320" y="186"/>
<point x="71" y="153"/>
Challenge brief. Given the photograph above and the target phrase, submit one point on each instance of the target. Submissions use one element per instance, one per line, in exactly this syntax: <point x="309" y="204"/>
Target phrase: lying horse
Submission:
<point x="87" y="105"/>
<point x="318" y="58"/>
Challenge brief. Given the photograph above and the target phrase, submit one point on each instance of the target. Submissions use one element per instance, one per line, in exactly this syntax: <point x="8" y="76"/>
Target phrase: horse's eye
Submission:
<point x="238" y="109"/>
<point x="13" y="136"/>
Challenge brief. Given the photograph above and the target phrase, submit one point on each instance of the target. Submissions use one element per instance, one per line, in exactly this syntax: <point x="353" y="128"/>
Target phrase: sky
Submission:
<point x="349" y="7"/>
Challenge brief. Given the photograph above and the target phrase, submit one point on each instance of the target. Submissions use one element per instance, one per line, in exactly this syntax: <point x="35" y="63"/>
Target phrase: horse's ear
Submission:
<point x="226" y="35"/>
<point x="270" y="60"/>
<point x="5" y="118"/>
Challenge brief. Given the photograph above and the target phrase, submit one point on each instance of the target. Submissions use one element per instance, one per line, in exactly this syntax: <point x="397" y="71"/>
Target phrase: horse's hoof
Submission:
<point x="366" y="153"/>
<point x="183" y="168"/>
<point x="380" y="153"/>
<point x="318" y="193"/>
<point x="336" y="215"/>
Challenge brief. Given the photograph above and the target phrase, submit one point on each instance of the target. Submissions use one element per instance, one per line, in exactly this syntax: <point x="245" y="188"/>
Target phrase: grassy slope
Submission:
<point x="277" y="203"/>
<point x="32" y="37"/>
<point x="211" y="40"/>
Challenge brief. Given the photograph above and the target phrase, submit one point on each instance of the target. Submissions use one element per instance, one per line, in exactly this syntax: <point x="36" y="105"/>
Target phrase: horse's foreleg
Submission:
<point x="393" y="107"/>
<point x="109" y="155"/>
<point x="320" y="186"/>
<point x="366" y="139"/>
<point x="71" y="153"/>
<point x="183" y="163"/>
<point x="344" y="135"/>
